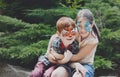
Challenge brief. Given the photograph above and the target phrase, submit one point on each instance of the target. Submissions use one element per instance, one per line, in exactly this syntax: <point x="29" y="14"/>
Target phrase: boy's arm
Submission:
<point x="50" y="42"/>
<point x="67" y="57"/>
<point x="64" y="58"/>
<point x="48" y="53"/>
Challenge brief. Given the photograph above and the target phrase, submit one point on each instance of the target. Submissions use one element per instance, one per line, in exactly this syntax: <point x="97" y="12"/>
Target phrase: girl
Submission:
<point x="88" y="38"/>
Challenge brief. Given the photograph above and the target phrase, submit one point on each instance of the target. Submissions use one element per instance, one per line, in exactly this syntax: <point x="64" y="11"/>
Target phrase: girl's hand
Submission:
<point x="80" y="69"/>
<point x="68" y="55"/>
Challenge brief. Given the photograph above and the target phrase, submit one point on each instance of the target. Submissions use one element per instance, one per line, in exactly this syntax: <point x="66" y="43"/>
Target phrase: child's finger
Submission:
<point x="52" y="50"/>
<point x="52" y="57"/>
<point x="77" y="70"/>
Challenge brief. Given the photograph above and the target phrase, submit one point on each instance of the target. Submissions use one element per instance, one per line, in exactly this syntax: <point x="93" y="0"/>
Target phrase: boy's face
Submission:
<point x="67" y="35"/>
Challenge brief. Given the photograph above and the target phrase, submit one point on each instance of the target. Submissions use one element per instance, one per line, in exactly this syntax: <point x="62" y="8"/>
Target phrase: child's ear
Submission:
<point x="58" y="33"/>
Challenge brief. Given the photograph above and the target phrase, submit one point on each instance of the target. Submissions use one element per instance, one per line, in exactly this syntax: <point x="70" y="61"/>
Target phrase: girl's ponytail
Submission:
<point x="96" y="30"/>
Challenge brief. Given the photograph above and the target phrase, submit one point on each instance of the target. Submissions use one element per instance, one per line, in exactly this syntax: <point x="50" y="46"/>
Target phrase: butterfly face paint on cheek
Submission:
<point x="87" y="26"/>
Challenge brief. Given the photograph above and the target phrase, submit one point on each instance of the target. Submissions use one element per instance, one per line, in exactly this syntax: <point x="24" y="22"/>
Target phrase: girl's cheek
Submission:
<point x="77" y="34"/>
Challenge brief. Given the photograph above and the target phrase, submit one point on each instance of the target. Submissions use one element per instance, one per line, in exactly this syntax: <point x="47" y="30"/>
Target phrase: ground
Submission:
<point x="7" y="70"/>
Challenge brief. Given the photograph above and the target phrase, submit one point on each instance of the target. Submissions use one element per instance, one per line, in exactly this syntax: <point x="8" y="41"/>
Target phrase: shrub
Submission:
<point x="49" y="16"/>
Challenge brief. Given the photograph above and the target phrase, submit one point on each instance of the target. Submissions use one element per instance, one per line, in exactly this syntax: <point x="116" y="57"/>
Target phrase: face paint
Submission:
<point x="67" y="40"/>
<point x="68" y="37"/>
<point x="68" y="33"/>
<point x="77" y="26"/>
<point x="87" y="26"/>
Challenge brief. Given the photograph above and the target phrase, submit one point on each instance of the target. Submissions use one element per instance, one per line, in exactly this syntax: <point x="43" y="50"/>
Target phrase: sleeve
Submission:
<point x="74" y="47"/>
<point x="44" y="59"/>
<point x="50" y="42"/>
<point x="56" y="45"/>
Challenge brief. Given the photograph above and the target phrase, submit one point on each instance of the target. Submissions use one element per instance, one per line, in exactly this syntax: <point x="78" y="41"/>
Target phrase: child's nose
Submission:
<point x="69" y="34"/>
<point x="82" y="30"/>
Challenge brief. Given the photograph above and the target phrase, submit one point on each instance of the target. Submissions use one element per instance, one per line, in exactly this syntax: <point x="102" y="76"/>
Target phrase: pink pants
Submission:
<point x="39" y="70"/>
<point x="49" y="71"/>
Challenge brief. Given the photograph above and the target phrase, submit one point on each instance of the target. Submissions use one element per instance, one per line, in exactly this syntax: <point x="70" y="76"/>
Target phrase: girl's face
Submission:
<point x="84" y="27"/>
<point x="67" y="35"/>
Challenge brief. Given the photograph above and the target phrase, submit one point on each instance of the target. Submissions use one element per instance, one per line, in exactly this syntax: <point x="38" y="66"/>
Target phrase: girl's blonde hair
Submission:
<point x="87" y="14"/>
<point x="64" y="22"/>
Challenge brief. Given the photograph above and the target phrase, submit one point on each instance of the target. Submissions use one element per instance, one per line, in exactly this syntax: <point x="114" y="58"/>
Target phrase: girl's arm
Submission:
<point x="84" y="51"/>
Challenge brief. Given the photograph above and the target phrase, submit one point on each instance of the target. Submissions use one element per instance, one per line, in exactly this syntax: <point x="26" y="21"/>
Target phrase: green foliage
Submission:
<point x="109" y="48"/>
<point x="2" y="5"/>
<point x="109" y="43"/>
<point x="23" y="45"/>
<point x="71" y="4"/>
<point x="112" y="15"/>
<point x="8" y="24"/>
<point x="24" y="54"/>
<point x="107" y="16"/>
<point x="4" y="55"/>
<point x="34" y="33"/>
<point x="10" y="54"/>
<point x="49" y="16"/>
<point x="29" y="53"/>
<point x="23" y="42"/>
<point x="7" y="42"/>
<point x="24" y="33"/>
<point x="102" y="63"/>
<point x="15" y="8"/>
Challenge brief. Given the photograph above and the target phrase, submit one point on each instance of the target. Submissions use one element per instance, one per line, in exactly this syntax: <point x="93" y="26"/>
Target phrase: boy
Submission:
<point x="63" y="43"/>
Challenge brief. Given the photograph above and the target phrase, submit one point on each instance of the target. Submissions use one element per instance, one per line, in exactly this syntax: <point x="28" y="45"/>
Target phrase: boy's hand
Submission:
<point x="51" y="57"/>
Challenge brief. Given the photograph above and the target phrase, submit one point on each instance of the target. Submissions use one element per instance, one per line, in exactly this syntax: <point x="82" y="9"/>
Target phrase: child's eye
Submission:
<point x="64" y="33"/>
<point x="73" y="31"/>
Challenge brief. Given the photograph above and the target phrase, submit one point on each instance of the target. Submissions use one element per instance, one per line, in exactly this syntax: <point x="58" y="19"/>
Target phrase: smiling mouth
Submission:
<point x="70" y="39"/>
